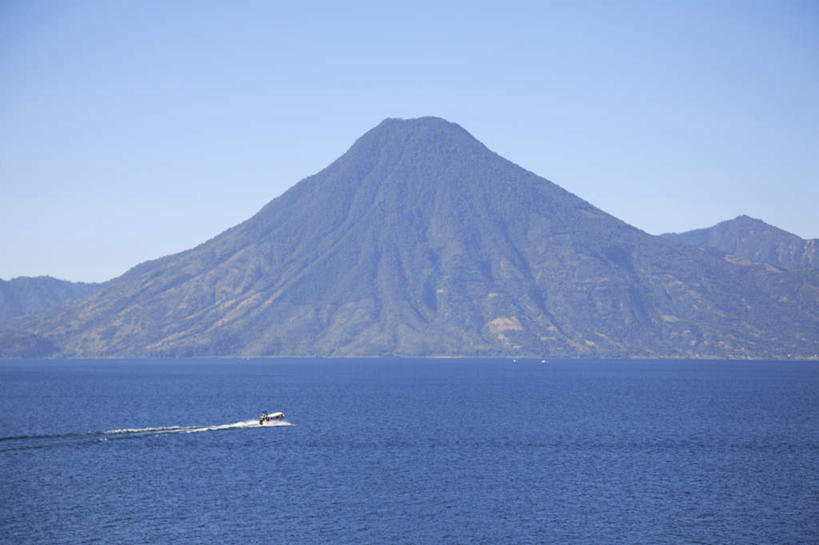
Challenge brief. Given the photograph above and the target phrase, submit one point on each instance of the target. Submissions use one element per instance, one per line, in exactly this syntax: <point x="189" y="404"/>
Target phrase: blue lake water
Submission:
<point x="409" y="451"/>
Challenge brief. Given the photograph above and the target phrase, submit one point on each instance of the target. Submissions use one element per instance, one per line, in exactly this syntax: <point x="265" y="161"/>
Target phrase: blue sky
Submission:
<point x="132" y="130"/>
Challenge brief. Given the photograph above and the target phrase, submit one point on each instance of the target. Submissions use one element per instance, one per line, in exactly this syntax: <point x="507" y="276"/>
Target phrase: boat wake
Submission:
<point x="24" y="442"/>
<point x="196" y="429"/>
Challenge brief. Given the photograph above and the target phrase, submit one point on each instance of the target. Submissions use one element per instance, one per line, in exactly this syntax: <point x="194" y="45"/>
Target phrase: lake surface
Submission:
<point x="409" y="451"/>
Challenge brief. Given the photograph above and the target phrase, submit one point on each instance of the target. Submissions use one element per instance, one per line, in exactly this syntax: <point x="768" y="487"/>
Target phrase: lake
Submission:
<point x="409" y="451"/>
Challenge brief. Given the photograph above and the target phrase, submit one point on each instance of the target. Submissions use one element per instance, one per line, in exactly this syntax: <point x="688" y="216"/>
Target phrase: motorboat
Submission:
<point x="267" y="418"/>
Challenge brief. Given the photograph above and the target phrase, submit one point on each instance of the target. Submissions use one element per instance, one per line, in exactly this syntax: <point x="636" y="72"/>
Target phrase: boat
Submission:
<point x="268" y="418"/>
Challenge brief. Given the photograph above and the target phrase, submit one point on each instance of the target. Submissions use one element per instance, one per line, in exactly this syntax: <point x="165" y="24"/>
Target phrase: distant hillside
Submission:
<point x="26" y="295"/>
<point x="419" y="241"/>
<point x="755" y="240"/>
<point x="22" y="344"/>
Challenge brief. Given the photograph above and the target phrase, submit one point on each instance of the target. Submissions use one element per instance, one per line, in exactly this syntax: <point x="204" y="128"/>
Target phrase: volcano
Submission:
<point x="420" y="241"/>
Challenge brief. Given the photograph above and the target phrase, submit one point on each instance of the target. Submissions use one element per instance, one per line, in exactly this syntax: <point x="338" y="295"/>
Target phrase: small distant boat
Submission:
<point x="268" y="418"/>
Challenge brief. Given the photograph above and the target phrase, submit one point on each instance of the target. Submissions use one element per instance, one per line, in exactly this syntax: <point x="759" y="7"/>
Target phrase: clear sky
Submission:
<point x="132" y="130"/>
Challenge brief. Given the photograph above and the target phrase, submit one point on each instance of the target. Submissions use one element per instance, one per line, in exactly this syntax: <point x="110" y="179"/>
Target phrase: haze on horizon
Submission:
<point x="134" y="131"/>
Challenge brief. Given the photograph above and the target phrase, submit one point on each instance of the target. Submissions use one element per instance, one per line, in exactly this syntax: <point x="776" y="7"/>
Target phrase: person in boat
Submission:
<point x="262" y="418"/>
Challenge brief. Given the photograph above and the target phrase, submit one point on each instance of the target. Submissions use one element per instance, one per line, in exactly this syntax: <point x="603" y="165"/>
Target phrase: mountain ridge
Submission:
<point x="419" y="241"/>
<point x="27" y="295"/>
<point x="756" y="240"/>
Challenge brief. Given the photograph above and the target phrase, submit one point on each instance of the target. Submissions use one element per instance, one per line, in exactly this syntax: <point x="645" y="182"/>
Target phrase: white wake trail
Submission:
<point x="195" y="429"/>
